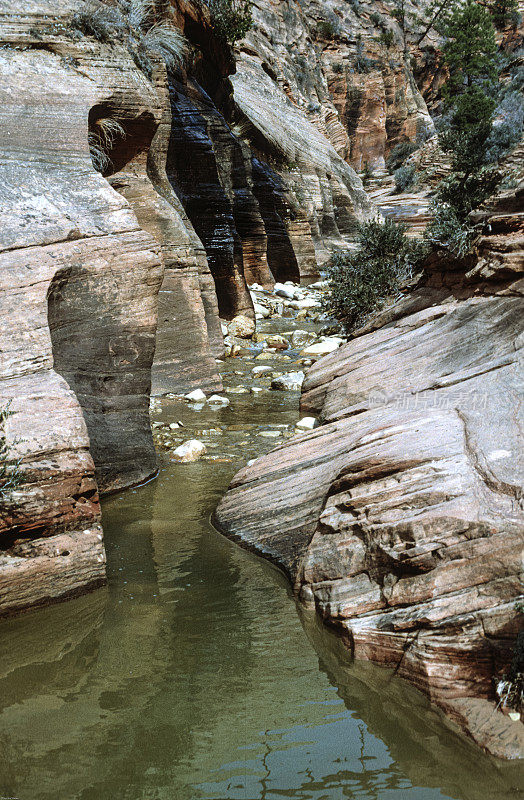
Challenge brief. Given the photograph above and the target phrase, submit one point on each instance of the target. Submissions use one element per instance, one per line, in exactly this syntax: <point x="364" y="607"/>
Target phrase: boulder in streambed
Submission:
<point x="282" y="290"/>
<point x="218" y="400"/>
<point x="290" y="382"/>
<point x="322" y="348"/>
<point x="306" y="424"/>
<point x="261" y="312"/>
<point x="242" y="327"/>
<point x="189" y="451"/>
<point x="196" y="396"/>
<point x="301" y="338"/>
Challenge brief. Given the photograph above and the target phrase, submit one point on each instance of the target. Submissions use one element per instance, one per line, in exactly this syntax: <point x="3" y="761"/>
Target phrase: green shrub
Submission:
<point x="338" y="68"/>
<point x="448" y="232"/>
<point x="387" y="38"/>
<point x="399" y="153"/>
<point x="464" y="193"/>
<point x="404" y="177"/>
<point x="330" y="27"/>
<point x="376" y="19"/>
<point x="363" y="64"/>
<point x="508" y="132"/>
<point x="231" y="18"/>
<point x="367" y="174"/>
<point x="471" y="57"/>
<point x="10" y="476"/>
<point x="360" y="282"/>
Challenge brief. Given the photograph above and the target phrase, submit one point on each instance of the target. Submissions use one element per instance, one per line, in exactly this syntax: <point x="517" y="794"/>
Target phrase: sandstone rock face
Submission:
<point x="79" y="294"/>
<point x="406" y="528"/>
<point x="323" y="68"/>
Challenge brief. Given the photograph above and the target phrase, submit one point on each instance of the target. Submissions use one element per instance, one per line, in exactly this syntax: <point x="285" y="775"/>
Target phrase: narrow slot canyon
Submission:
<point x="261" y="520"/>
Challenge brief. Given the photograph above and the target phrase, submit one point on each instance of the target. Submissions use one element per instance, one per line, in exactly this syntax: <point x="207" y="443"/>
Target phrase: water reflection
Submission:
<point x="191" y="678"/>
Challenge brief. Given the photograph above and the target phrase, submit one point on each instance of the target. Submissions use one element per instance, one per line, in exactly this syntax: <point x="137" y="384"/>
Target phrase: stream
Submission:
<point x="193" y="675"/>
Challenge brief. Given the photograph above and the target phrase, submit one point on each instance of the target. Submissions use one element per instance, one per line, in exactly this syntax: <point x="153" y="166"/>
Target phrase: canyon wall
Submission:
<point x="406" y="529"/>
<point x="134" y="216"/>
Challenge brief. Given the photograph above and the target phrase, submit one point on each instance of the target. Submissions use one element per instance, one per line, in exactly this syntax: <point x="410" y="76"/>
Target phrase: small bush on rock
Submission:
<point x="329" y="28"/>
<point x="361" y="282"/>
<point x="387" y="38"/>
<point x="399" y="153"/>
<point x="232" y="18"/>
<point x="104" y="23"/>
<point x="404" y="177"/>
<point x="448" y="232"/>
<point x="167" y="42"/>
<point x="10" y="476"/>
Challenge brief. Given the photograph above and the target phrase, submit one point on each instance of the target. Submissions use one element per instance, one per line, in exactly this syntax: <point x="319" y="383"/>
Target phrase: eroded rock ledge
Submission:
<point x="400" y="518"/>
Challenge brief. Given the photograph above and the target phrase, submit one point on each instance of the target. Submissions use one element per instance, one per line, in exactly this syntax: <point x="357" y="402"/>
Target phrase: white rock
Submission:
<point x="289" y="382"/>
<point x="241" y="326"/>
<point x="260" y="370"/>
<point x="318" y="285"/>
<point x="197" y="396"/>
<point x="306" y="424"/>
<point x="189" y="451"/>
<point x="257" y="287"/>
<point x="338" y="339"/>
<point x="217" y="400"/>
<point x="251" y="461"/>
<point x="321" y="348"/>
<point x="256" y="389"/>
<point x="307" y="302"/>
<point x="262" y="310"/>
<point x="284" y="290"/>
<point x="224" y="327"/>
<point x="301" y="338"/>
<point x="174" y="426"/>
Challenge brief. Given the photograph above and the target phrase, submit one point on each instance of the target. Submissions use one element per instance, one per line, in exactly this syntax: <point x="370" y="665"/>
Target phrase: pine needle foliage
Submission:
<point x="470" y="54"/>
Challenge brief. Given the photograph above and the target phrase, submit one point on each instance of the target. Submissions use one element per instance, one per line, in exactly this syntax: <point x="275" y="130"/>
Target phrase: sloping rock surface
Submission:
<point x="400" y="518"/>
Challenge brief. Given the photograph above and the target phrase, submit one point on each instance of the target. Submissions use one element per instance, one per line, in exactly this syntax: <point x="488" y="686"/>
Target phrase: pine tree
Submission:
<point x="505" y="12"/>
<point x="470" y="55"/>
<point x="470" y="50"/>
